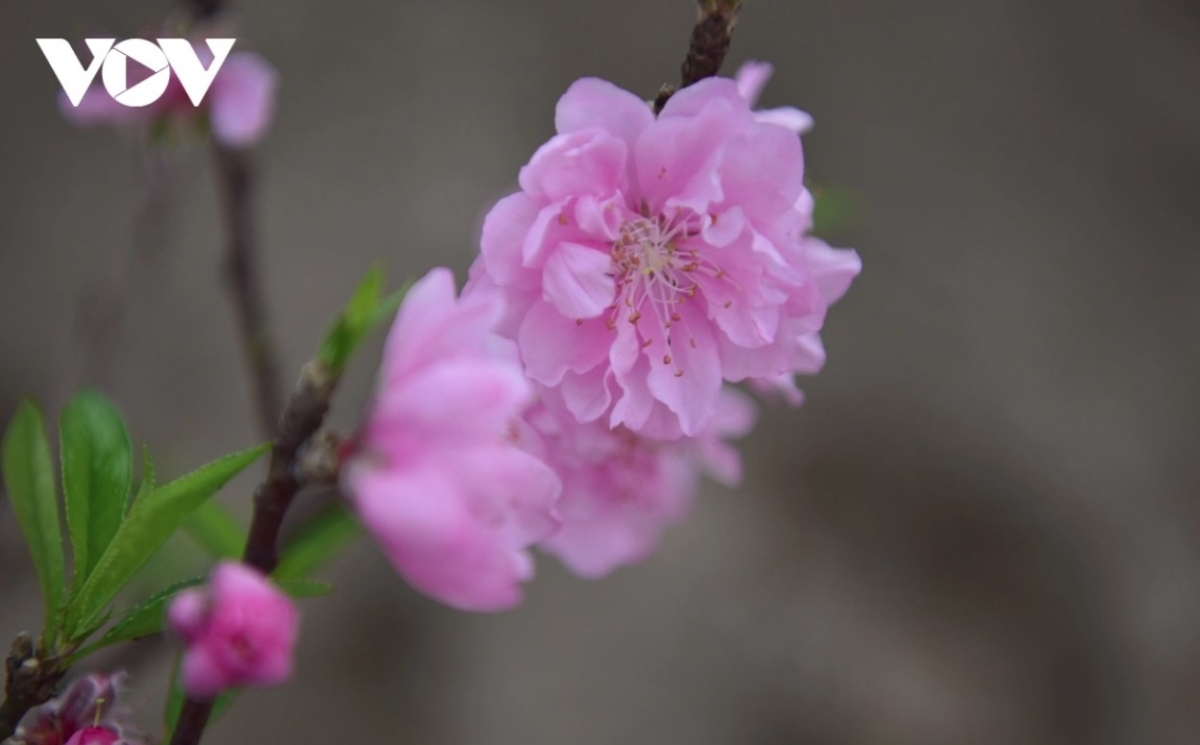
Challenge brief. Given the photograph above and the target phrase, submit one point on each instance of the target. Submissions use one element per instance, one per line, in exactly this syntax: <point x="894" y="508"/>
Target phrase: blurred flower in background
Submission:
<point x="622" y="490"/>
<point x="238" y="108"/>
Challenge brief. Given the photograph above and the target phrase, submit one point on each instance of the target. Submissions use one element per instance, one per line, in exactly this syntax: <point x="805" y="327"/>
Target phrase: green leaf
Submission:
<point x="834" y="210"/>
<point x="365" y="309"/>
<point x="142" y="620"/>
<point x="216" y="531"/>
<point x="29" y="479"/>
<point x="151" y="521"/>
<point x="97" y="471"/>
<point x="320" y="540"/>
<point x="148" y="483"/>
<point x="174" y="703"/>
<point x="303" y="588"/>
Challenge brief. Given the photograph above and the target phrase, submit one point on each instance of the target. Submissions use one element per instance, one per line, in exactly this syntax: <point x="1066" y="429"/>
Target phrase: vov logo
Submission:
<point x="160" y="59"/>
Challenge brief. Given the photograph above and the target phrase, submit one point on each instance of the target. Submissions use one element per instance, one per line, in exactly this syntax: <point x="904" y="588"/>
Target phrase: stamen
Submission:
<point x="652" y="259"/>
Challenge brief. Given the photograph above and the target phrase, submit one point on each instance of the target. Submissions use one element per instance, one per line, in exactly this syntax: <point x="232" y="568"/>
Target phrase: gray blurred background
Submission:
<point x="981" y="528"/>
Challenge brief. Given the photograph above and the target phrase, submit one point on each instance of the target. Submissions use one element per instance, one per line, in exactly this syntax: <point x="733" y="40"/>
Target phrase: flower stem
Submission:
<point x="710" y="43"/>
<point x="301" y="419"/>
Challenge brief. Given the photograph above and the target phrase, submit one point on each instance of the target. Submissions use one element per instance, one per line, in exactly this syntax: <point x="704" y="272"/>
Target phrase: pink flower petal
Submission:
<point x="591" y="102"/>
<point x="686" y="376"/>
<point x="586" y="162"/>
<point x="833" y="269"/>
<point x="552" y="344"/>
<point x="577" y="280"/>
<point x="504" y="232"/>
<point x="242" y="99"/>
<point x="788" y="117"/>
<point x="752" y="78"/>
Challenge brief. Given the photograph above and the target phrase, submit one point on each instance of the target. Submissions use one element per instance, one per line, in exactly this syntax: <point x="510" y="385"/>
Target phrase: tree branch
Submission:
<point x="709" y="45"/>
<point x="236" y="180"/>
<point x="301" y="419"/>
<point x="30" y="680"/>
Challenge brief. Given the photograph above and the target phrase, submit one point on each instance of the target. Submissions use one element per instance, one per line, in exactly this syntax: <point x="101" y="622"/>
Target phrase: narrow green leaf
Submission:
<point x="147" y="485"/>
<point x="151" y="521"/>
<point x="174" y="703"/>
<point x="142" y="620"/>
<point x="304" y="588"/>
<point x="216" y="531"/>
<point x="365" y="309"/>
<point x="97" y="470"/>
<point x="366" y="296"/>
<point x="322" y="539"/>
<point x="29" y="479"/>
<point x="386" y="309"/>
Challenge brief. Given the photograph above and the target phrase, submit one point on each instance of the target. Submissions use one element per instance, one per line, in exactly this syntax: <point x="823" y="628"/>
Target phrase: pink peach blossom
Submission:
<point x="646" y="261"/>
<point x="87" y="712"/>
<point x="437" y="477"/>
<point x="240" y="630"/>
<point x="622" y="490"/>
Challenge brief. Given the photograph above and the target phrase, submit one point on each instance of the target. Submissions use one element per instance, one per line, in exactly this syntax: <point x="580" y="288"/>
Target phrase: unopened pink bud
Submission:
<point x="240" y="630"/>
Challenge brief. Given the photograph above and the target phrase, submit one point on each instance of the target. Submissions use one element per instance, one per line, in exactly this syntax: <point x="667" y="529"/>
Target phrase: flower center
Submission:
<point x="655" y="265"/>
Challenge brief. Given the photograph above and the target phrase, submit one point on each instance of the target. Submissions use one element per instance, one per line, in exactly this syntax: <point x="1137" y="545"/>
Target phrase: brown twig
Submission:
<point x="306" y="407"/>
<point x="235" y="172"/>
<point x="30" y="680"/>
<point x="300" y="420"/>
<point x="710" y="43"/>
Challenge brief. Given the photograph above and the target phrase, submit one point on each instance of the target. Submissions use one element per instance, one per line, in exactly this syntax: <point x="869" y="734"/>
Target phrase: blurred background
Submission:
<point x="982" y="526"/>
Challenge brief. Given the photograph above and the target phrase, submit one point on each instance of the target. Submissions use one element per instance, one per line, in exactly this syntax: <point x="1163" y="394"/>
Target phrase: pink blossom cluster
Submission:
<point x="572" y="395"/>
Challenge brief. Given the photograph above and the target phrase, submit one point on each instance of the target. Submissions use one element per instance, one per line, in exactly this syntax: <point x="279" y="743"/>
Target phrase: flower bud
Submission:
<point x="240" y="630"/>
